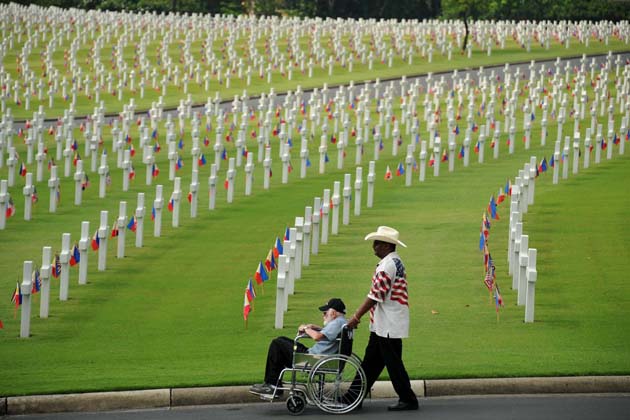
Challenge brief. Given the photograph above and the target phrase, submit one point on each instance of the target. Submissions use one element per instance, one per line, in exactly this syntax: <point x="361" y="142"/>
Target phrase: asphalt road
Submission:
<point x="513" y="407"/>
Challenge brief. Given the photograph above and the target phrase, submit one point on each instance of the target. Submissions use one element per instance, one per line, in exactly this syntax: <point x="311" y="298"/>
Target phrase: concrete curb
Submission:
<point x="94" y="401"/>
<point x="212" y="395"/>
<point x="559" y="385"/>
<point x="385" y="389"/>
<point x="179" y="397"/>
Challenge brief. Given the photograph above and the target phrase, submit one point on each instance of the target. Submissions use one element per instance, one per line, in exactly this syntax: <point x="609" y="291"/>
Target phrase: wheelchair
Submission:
<point x="335" y="383"/>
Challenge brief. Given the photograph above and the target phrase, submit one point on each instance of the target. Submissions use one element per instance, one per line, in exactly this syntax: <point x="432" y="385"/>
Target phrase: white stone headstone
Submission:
<point x="103" y="233"/>
<point x="156" y="211"/>
<point x="175" y="199"/>
<point x="64" y="259"/>
<point x="139" y="214"/>
<point x="44" y="274"/>
<point x="25" y="288"/>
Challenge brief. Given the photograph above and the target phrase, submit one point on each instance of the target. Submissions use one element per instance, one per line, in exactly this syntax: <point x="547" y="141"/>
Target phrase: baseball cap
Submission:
<point x="335" y="303"/>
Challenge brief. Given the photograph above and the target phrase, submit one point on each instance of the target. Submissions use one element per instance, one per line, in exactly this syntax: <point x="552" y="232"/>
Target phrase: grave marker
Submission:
<point x="79" y="176"/>
<point x="249" y="172"/>
<point x="121" y="229"/>
<point x="281" y="293"/>
<point x="317" y="208"/>
<point x="11" y="165"/>
<point x="83" y="252"/>
<point x="158" y="204"/>
<point x="335" y="207"/>
<point x="29" y="193"/>
<point x="371" y="178"/>
<point x="532" y="277"/>
<point x="347" y="196"/>
<point x="307" y="228"/>
<point x="175" y="200"/>
<point x="289" y="247"/>
<point x="358" y="185"/>
<point x="44" y="273"/>
<point x="522" y="271"/>
<point x="212" y="187"/>
<point x="64" y="259"/>
<point x="299" y="237"/>
<point x="25" y="288"/>
<point x="139" y="214"/>
<point x="231" y="174"/>
<point x="267" y="168"/>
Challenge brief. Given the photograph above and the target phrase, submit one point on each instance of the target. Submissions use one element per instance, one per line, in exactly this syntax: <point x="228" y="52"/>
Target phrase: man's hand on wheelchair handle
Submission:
<point x="353" y="323"/>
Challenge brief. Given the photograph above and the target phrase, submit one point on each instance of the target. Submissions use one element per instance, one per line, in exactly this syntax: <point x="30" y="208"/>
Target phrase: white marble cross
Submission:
<point x="25" y="289"/>
<point x="103" y="233"/>
<point x="249" y="171"/>
<point x="231" y="174"/>
<point x="307" y="230"/>
<point x="358" y="186"/>
<point x="299" y="239"/>
<point x="103" y="172"/>
<point x="79" y="176"/>
<point x="44" y="273"/>
<point x="139" y="215"/>
<point x="347" y="195"/>
<point x="176" y="198"/>
<point x="193" y="194"/>
<point x="315" y="222"/>
<point x="40" y="158"/>
<point x="11" y="165"/>
<point x="531" y="275"/>
<point x="281" y="289"/>
<point x="83" y="245"/>
<point x="409" y="165"/>
<point x="121" y="227"/>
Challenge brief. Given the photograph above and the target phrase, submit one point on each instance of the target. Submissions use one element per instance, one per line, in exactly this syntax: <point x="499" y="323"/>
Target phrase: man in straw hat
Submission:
<point x="387" y="304"/>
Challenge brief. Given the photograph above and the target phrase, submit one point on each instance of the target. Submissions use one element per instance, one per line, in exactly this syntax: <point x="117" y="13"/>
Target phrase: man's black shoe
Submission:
<point x="403" y="406"/>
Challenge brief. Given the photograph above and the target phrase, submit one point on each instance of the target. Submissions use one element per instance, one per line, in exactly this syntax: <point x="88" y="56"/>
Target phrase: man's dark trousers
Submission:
<point x="280" y="356"/>
<point x="384" y="352"/>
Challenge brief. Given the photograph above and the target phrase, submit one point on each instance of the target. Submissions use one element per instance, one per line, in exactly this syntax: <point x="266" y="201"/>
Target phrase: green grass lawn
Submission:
<point x="170" y="314"/>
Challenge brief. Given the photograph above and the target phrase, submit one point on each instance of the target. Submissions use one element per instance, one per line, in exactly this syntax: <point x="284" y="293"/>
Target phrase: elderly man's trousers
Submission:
<point x="280" y="356"/>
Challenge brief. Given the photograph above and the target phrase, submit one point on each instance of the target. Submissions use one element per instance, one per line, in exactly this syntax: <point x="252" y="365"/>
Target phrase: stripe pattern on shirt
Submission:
<point x="383" y="286"/>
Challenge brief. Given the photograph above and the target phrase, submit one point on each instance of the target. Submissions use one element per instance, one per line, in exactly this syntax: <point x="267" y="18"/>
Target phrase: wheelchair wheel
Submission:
<point x="296" y="404"/>
<point x="337" y="384"/>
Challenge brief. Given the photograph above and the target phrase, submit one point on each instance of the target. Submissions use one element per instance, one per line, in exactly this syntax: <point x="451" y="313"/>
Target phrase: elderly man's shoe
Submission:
<point x="265" y="390"/>
<point x="403" y="406"/>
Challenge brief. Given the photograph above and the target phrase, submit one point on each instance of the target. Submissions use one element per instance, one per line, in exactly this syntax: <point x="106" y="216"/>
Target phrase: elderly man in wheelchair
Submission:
<point x="323" y="375"/>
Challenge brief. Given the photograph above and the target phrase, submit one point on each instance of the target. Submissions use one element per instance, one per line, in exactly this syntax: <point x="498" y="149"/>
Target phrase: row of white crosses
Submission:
<point x="98" y="242"/>
<point x="313" y="229"/>
<point x="339" y="119"/>
<point x="521" y="258"/>
<point x="76" y="30"/>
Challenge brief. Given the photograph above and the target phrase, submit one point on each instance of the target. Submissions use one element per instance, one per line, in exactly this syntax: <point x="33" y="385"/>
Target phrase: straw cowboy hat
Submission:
<point x="385" y="234"/>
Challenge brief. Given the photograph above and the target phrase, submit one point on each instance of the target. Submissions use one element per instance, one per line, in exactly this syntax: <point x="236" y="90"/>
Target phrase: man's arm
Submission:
<point x="365" y="306"/>
<point x="312" y="331"/>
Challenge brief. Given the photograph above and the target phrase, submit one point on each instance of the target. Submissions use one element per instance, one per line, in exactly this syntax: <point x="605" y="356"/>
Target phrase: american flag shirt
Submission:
<point x="390" y="316"/>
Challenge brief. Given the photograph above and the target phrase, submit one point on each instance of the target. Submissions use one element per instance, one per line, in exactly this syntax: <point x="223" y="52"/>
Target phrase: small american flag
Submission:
<point x="490" y="276"/>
